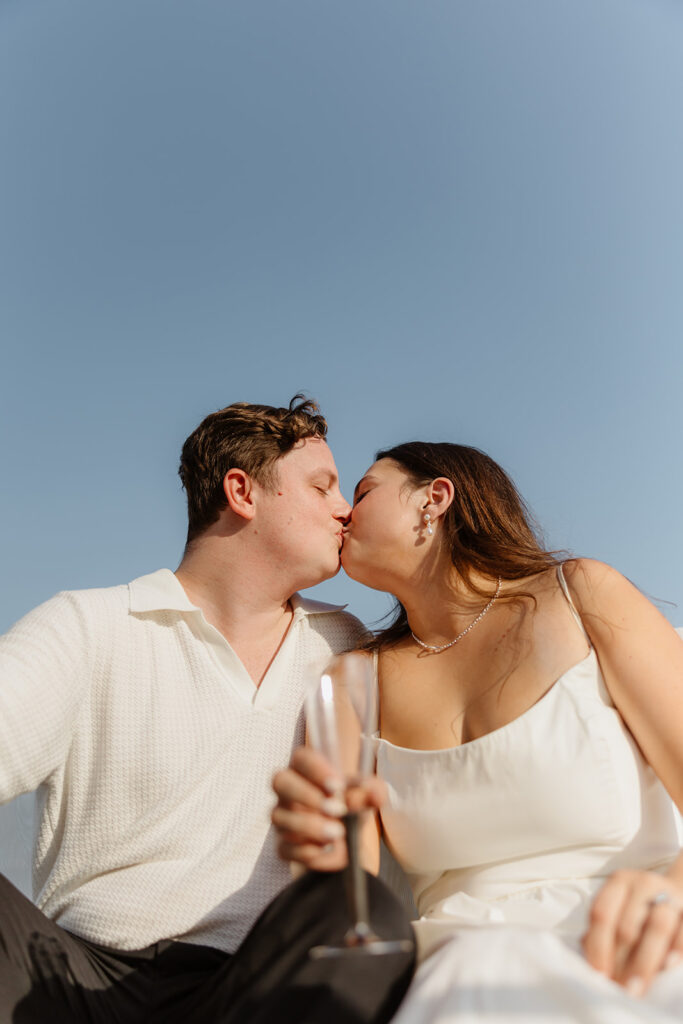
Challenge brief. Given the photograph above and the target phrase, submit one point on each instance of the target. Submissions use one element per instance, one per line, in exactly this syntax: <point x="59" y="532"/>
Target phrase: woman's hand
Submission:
<point x="636" y="928"/>
<point x="312" y="801"/>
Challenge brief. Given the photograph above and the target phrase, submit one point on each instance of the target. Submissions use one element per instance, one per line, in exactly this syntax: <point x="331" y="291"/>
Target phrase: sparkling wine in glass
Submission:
<point x="341" y="716"/>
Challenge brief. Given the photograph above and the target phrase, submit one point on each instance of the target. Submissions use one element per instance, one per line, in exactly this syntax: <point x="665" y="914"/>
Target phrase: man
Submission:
<point x="151" y="718"/>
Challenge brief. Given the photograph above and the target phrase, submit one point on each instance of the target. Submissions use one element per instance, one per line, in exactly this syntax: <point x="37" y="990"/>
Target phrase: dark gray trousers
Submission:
<point x="48" y="974"/>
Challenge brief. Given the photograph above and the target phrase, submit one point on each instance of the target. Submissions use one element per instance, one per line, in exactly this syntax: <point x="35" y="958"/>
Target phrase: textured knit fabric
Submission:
<point x="153" y="753"/>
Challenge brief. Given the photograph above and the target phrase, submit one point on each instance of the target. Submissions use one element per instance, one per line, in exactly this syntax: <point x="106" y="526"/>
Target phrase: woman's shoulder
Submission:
<point x="612" y="607"/>
<point x="591" y="581"/>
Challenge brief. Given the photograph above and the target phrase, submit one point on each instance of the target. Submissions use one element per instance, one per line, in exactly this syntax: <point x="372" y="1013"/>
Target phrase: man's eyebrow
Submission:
<point x="317" y="474"/>
<point x="364" y="480"/>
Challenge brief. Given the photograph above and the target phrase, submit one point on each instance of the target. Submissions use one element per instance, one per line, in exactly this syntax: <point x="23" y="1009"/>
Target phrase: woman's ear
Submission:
<point x="239" y="492"/>
<point x="440" y="495"/>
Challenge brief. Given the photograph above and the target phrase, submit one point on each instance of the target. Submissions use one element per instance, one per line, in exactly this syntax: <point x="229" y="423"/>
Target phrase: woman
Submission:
<point x="530" y="739"/>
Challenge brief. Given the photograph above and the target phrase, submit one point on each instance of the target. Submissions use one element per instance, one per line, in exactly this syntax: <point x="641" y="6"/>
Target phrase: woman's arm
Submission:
<point x="630" y="937"/>
<point x="641" y="657"/>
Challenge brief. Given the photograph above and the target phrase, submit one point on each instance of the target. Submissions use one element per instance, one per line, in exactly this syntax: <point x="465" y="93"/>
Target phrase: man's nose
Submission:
<point x="343" y="514"/>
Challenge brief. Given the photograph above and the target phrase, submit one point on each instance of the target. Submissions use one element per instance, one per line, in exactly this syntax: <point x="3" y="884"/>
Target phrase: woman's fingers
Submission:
<point x="293" y="789"/>
<point x="652" y="948"/>
<point x="295" y="825"/>
<point x="330" y="857"/>
<point x="311" y="781"/>
<point x="312" y="765"/>
<point x="675" y="956"/>
<point x="636" y="928"/>
<point x="371" y="793"/>
<point x="600" y="941"/>
<point x="312" y="798"/>
<point x="629" y="928"/>
<point x="308" y="779"/>
<point x="307" y="822"/>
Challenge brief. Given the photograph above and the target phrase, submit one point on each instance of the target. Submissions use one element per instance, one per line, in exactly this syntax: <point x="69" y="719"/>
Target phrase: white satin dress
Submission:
<point x="506" y="840"/>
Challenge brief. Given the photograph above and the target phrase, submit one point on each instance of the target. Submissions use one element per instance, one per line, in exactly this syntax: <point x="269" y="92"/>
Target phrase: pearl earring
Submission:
<point x="428" y="523"/>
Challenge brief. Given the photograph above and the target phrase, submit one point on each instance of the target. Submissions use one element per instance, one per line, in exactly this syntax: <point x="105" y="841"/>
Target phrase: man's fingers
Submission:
<point x="599" y="942"/>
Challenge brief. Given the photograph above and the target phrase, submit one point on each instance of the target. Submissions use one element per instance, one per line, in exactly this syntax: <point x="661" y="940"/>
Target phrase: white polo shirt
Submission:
<point x="153" y="754"/>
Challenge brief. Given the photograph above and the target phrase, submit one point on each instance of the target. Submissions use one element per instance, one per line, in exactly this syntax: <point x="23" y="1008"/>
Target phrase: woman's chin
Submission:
<point x="360" y="573"/>
<point x="347" y="562"/>
<point x="350" y="564"/>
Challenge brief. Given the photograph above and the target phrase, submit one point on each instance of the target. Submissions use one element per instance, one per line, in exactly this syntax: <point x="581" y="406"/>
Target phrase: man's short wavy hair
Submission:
<point x="241" y="436"/>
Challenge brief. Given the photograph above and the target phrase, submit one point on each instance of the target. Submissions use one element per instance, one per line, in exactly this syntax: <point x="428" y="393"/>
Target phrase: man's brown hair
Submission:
<point x="241" y="436"/>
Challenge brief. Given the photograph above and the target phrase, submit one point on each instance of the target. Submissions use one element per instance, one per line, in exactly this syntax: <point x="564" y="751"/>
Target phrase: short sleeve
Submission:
<point x="43" y="673"/>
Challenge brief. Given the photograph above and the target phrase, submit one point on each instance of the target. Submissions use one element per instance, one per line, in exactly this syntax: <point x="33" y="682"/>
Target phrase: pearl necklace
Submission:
<point x="436" y="649"/>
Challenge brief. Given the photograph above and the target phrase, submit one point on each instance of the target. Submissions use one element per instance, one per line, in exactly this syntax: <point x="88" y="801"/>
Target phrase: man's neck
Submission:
<point x="247" y="605"/>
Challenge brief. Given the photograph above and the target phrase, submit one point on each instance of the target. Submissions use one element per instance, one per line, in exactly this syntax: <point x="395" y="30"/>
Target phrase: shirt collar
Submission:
<point x="163" y="591"/>
<point x="159" y="591"/>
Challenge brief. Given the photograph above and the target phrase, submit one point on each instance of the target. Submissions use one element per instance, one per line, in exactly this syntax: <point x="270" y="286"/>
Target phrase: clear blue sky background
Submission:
<point x="445" y="220"/>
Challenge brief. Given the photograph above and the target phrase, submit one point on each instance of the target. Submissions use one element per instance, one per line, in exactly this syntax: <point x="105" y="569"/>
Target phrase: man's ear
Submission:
<point x="238" y="488"/>
<point x="440" y="495"/>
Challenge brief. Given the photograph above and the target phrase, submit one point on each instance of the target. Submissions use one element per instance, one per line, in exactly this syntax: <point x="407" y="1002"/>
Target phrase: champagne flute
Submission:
<point x="341" y="715"/>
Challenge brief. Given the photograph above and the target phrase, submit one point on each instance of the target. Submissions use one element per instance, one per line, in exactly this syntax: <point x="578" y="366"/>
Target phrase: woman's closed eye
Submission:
<point x="359" y="497"/>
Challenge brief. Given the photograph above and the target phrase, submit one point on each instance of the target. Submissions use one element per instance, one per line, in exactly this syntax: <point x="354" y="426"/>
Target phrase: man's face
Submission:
<point x="302" y="515"/>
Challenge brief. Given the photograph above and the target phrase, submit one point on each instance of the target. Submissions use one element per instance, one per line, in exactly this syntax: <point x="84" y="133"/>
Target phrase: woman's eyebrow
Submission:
<point x="364" y="480"/>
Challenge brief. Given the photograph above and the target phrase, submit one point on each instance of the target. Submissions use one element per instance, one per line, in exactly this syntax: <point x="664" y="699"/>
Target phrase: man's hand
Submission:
<point x="312" y="800"/>
<point x="636" y="928"/>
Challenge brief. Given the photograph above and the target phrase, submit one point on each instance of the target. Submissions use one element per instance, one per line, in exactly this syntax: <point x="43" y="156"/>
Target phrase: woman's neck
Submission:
<point x="440" y="608"/>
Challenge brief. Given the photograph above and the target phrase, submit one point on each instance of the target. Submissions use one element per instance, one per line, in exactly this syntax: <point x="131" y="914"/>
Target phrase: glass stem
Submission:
<point x="355" y="880"/>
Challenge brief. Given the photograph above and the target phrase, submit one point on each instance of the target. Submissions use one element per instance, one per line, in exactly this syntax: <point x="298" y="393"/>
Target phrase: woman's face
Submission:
<point x="382" y="538"/>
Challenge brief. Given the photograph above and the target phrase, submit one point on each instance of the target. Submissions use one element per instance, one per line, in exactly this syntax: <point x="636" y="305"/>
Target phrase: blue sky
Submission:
<point x="445" y="220"/>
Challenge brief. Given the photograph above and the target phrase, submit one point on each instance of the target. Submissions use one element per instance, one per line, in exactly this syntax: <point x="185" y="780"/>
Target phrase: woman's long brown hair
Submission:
<point x="488" y="527"/>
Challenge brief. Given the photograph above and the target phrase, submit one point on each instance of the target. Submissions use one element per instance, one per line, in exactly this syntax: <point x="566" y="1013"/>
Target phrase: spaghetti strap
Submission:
<point x="375" y="677"/>
<point x="375" y="666"/>
<point x="565" y="591"/>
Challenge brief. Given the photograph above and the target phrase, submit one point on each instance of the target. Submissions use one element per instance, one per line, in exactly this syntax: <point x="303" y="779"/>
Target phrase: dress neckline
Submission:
<point x="469" y="744"/>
